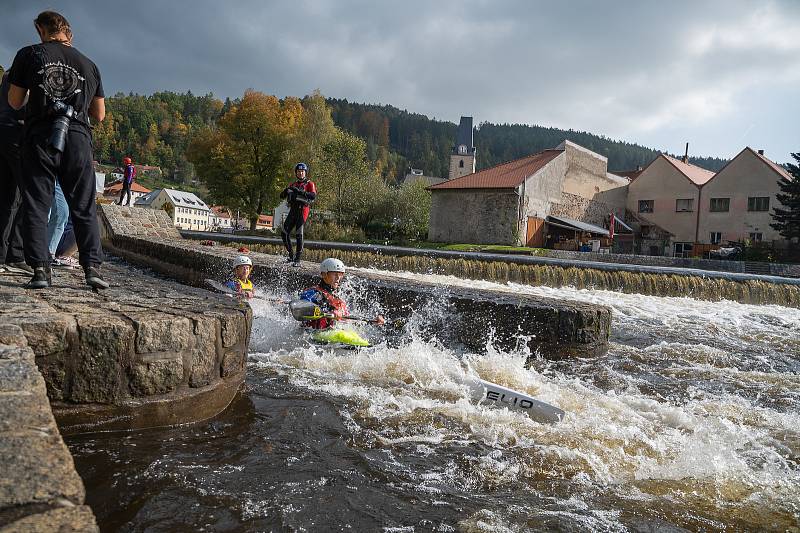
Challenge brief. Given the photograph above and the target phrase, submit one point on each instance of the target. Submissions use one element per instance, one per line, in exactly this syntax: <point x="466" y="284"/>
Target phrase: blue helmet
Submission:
<point x="301" y="166"/>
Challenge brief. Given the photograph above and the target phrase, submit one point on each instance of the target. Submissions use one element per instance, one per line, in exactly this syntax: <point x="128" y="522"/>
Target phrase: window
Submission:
<point x="716" y="237"/>
<point x="720" y="205"/>
<point x="758" y="203"/>
<point x="684" y="204"/>
<point x="646" y="206"/>
<point x="461" y="164"/>
<point x="683" y="249"/>
<point x="645" y="231"/>
<point x="756" y="237"/>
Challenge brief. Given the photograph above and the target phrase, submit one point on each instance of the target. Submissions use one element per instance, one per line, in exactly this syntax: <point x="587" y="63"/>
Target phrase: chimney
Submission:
<point x="761" y="152"/>
<point x="686" y="155"/>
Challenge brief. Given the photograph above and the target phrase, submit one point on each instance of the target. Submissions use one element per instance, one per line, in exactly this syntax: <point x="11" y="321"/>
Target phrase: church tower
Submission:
<point x="462" y="159"/>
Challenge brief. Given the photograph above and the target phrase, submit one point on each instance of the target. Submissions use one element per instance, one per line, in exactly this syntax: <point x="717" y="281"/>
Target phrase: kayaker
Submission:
<point x="323" y="294"/>
<point x="241" y="284"/>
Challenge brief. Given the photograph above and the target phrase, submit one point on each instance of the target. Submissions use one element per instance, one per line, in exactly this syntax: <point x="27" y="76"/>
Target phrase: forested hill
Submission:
<point x="426" y="143"/>
<point x="156" y="130"/>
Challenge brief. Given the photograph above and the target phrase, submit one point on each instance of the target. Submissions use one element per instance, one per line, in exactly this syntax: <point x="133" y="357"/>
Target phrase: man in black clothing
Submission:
<point x="299" y="195"/>
<point x="64" y="91"/>
<point x="12" y="258"/>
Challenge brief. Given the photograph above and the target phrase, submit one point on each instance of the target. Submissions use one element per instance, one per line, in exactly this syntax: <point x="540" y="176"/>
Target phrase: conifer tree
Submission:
<point x="787" y="218"/>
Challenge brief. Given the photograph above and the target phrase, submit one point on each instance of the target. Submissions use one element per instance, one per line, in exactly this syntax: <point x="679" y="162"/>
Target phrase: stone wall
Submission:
<point x="145" y="352"/>
<point x="481" y="216"/>
<point x="579" y="208"/>
<point x="40" y="491"/>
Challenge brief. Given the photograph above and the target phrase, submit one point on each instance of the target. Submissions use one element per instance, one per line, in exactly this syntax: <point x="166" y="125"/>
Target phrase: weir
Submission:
<point x="553" y="328"/>
<point x="627" y="278"/>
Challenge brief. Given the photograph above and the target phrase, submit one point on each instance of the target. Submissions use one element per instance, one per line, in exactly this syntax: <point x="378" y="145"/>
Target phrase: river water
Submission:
<point x="691" y="421"/>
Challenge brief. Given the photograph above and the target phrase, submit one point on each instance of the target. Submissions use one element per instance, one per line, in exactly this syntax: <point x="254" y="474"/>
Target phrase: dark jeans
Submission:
<point x="126" y="189"/>
<point x="294" y="221"/>
<point x="40" y="166"/>
<point x="11" y="211"/>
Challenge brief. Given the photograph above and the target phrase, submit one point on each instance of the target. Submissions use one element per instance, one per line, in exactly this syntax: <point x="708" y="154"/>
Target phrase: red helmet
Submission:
<point x="127" y="160"/>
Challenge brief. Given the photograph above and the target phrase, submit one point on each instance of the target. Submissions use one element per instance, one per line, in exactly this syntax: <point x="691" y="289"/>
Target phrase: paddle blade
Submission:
<point x="340" y="336"/>
<point x="219" y="287"/>
<point x="303" y="310"/>
<point x="505" y="397"/>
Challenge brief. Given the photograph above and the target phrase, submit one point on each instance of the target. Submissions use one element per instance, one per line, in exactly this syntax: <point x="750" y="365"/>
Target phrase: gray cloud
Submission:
<point x="717" y="73"/>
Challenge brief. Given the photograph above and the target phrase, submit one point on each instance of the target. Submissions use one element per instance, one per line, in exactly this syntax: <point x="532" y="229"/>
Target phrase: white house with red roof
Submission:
<point x="137" y="191"/>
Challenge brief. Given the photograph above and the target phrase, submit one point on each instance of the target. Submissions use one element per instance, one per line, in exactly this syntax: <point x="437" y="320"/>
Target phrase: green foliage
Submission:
<point x="318" y="230"/>
<point x="241" y="159"/>
<point x="787" y="219"/>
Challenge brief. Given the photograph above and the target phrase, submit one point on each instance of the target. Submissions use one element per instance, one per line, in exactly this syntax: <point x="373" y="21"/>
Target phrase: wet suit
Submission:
<point x="323" y="296"/>
<point x="299" y="196"/>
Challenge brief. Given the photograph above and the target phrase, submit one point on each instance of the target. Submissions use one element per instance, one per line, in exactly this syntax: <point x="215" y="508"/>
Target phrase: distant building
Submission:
<point x="137" y="191"/>
<point x="264" y="222"/>
<point x="417" y="176"/>
<point x="219" y="219"/>
<point x="462" y="159"/>
<point x="188" y="211"/>
<point x="512" y="203"/>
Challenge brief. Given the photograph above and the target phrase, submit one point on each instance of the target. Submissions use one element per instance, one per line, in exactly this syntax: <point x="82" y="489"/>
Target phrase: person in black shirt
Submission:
<point x="64" y="91"/>
<point x="11" y="251"/>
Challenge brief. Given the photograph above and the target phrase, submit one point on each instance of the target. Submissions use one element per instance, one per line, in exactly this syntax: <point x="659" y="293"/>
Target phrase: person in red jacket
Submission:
<point x="128" y="175"/>
<point x="299" y="197"/>
<point x="325" y="295"/>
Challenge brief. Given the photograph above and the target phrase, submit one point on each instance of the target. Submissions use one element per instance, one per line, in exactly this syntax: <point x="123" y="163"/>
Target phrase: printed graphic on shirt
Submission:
<point x="60" y="81"/>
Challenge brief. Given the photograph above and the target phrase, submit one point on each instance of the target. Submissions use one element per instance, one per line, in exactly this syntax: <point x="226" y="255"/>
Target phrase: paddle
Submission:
<point x="303" y="310"/>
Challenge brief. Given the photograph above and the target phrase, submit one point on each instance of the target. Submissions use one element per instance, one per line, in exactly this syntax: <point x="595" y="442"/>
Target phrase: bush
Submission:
<point x="331" y="231"/>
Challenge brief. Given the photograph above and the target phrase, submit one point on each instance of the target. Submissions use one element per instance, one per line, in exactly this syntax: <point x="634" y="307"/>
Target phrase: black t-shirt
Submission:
<point x="55" y="72"/>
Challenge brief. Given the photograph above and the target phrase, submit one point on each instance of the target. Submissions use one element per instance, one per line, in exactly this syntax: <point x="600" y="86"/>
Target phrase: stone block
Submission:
<point x="158" y="376"/>
<point x="162" y="334"/>
<point x="45" y="330"/>
<point x="105" y="344"/>
<point x="203" y="365"/>
<point x="232" y="363"/>
<point x="60" y="520"/>
<point x="37" y="468"/>
<point x="12" y="335"/>
<point x="18" y="374"/>
<point x="232" y="328"/>
<point x="26" y="410"/>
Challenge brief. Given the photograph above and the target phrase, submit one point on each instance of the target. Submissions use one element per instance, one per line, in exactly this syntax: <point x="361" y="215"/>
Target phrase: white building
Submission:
<point x="188" y="211"/>
<point x="219" y="219"/>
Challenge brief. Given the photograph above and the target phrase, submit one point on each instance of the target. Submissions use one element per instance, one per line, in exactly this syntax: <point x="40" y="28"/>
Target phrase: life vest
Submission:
<point x="331" y="304"/>
<point x="244" y="287"/>
<point x="129" y="174"/>
<point x="302" y="204"/>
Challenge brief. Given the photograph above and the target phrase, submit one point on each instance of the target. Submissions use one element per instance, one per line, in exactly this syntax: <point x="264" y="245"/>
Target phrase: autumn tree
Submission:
<point x="242" y="158"/>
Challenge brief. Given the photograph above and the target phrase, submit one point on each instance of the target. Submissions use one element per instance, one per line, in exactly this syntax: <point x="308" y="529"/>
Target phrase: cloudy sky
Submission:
<point x="719" y="74"/>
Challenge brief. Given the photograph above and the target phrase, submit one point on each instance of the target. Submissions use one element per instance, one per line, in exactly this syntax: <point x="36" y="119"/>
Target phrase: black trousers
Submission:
<point x="126" y="189"/>
<point x="294" y="221"/>
<point x="10" y="196"/>
<point x="41" y="166"/>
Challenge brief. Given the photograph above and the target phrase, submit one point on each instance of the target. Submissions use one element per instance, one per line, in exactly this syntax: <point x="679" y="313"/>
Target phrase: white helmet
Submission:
<point x="331" y="265"/>
<point x="242" y="260"/>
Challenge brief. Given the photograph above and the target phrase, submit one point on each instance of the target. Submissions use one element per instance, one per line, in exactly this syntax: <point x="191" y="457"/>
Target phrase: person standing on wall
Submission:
<point x="128" y="175"/>
<point x="299" y="196"/>
<point x="64" y="91"/>
<point x="12" y="258"/>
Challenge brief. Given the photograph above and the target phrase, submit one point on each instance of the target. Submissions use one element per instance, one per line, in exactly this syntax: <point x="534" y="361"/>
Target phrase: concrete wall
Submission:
<point x="583" y="209"/>
<point x="587" y="172"/>
<point x="746" y="176"/>
<point x="664" y="184"/>
<point x="479" y="216"/>
<point x="543" y="189"/>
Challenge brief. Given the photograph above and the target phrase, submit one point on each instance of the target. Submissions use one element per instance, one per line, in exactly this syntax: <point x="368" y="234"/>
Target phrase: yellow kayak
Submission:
<point x="341" y="337"/>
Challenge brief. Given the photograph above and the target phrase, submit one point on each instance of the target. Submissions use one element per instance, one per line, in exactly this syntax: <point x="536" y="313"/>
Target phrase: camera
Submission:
<point x="64" y="113"/>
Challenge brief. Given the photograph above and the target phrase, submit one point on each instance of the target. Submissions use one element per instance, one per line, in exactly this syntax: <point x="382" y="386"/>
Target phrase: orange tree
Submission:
<point x="241" y="158"/>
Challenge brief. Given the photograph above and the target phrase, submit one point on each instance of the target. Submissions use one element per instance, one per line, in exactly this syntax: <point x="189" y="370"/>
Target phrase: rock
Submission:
<point x="232" y="363"/>
<point x="163" y="333"/>
<point x="60" y="520"/>
<point x="160" y="376"/>
<point x="204" y="353"/>
<point x="105" y="345"/>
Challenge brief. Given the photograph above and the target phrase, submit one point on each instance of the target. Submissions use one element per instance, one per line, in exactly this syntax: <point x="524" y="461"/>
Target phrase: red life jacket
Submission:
<point x="308" y="186"/>
<point x="334" y="303"/>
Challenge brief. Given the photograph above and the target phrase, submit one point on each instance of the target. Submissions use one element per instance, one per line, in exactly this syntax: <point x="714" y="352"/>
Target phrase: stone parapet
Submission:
<point x="553" y="327"/>
<point x="40" y="491"/>
<point x="145" y="352"/>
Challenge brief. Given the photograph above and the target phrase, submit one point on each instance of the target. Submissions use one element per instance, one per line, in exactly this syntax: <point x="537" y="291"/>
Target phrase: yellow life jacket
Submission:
<point x="245" y="286"/>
